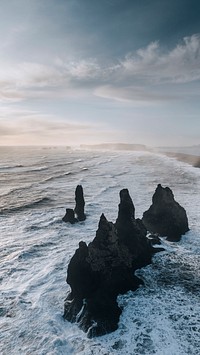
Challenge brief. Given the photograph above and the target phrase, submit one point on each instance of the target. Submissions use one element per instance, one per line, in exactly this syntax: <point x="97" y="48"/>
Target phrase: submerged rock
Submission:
<point x="165" y="216"/>
<point x="99" y="272"/>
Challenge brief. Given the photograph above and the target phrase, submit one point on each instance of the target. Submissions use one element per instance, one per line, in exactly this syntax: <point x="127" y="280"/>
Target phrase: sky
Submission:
<point x="94" y="71"/>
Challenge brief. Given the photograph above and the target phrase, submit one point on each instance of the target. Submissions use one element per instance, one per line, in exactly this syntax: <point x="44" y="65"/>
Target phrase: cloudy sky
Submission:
<point x="92" y="71"/>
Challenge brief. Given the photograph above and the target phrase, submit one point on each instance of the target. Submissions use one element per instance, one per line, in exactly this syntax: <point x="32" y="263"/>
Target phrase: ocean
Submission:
<point x="36" y="186"/>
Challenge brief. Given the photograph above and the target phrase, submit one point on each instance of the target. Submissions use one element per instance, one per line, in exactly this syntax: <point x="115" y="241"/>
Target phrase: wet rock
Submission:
<point x="99" y="272"/>
<point x="80" y="203"/>
<point x="78" y="210"/>
<point x="165" y="216"/>
<point x="154" y="239"/>
<point x="69" y="216"/>
<point x="132" y="232"/>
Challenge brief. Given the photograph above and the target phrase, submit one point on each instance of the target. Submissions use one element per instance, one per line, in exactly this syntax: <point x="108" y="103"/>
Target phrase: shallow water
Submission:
<point x="36" y="185"/>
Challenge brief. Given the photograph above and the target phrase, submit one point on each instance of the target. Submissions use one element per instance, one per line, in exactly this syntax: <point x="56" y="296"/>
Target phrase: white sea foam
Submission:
<point x="160" y="318"/>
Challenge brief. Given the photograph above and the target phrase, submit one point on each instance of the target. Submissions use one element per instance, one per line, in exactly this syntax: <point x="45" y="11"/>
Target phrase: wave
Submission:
<point x="64" y="164"/>
<point x="35" y="227"/>
<point x="23" y="168"/>
<point x="169" y="304"/>
<point x="64" y="174"/>
<point x="39" y="168"/>
<point x="32" y="169"/>
<point x="32" y="204"/>
<point x="58" y="164"/>
<point x="35" y="250"/>
<point x="121" y="173"/>
<point x="16" y="190"/>
<point x="5" y="167"/>
<point x="58" y="176"/>
<point x="105" y="190"/>
<point x="29" y="186"/>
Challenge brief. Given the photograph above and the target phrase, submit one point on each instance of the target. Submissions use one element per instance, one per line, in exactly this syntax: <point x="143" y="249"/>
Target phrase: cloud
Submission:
<point x="30" y="75"/>
<point x="50" y="125"/>
<point x="151" y="75"/>
<point x="19" y="121"/>
<point x="26" y="127"/>
<point x="33" y="80"/>
<point x="180" y="65"/>
<point x="8" y="95"/>
<point x="7" y="130"/>
<point x="136" y="77"/>
<point x="83" y="69"/>
<point x="22" y="121"/>
<point x="147" y="65"/>
<point x="138" y="95"/>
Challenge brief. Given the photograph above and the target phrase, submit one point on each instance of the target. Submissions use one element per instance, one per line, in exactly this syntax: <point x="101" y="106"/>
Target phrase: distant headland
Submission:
<point x="190" y="155"/>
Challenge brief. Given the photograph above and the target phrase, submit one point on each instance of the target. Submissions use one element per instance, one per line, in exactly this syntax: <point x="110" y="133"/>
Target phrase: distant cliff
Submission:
<point x="115" y="146"/>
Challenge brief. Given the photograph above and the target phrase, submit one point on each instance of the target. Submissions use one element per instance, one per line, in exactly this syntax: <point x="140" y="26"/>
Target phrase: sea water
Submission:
<point x="36" y="186"/>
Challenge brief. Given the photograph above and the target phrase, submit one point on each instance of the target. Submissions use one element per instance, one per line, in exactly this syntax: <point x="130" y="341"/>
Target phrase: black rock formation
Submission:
<point x="78" y="210"/>
<point x="154" y="239"/>
<point x="80" y="203"/>
<point x="69" y="216"/>
<point x="165" y="216"/>
<point x="99" y="272"/>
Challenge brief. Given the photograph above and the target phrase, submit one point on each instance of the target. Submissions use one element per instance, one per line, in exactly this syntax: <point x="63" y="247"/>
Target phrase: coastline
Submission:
<point x="193" y="160"/>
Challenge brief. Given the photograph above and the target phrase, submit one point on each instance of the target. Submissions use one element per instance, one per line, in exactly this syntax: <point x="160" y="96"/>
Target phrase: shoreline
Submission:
<point x="193" y="160"/>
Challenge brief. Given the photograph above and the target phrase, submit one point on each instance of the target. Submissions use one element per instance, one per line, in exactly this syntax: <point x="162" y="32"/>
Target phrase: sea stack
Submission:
<point x="78" y="214"/>
<point x="99" y="272"/>
<point x="69" y="216"/>
<point x="165" y="216"/>
<point x="80" y="203"/>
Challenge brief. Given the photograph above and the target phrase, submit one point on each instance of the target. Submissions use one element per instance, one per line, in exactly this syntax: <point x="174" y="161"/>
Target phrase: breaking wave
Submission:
<point x="161" y="317"/>
<point x="30" y="205"/>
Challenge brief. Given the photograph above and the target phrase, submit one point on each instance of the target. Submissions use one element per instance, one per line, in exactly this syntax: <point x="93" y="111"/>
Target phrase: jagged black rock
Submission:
<point x="99" y="272"/>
